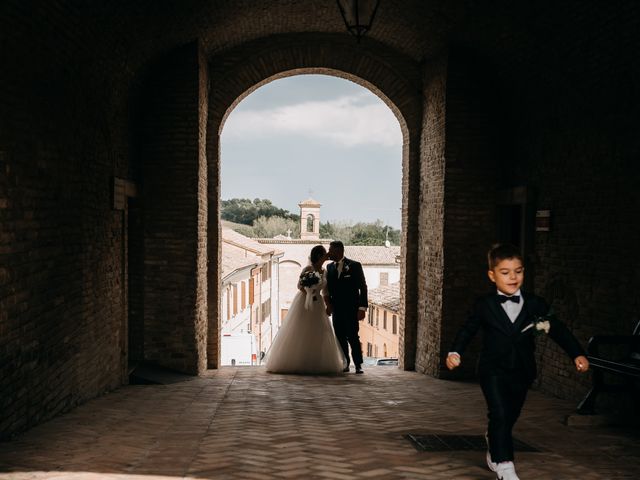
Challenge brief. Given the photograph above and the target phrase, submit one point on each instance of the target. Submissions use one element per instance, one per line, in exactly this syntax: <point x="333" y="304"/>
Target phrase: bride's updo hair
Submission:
<point x="317" y="253"/>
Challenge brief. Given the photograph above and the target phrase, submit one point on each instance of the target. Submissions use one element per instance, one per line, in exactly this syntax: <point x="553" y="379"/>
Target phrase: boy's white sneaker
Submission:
<point x="491" y="464"/>
<point x="506" y="471"/>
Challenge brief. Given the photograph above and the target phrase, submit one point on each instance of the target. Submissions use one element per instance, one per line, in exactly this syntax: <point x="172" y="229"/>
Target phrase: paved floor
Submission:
<point x="242" y="423"/>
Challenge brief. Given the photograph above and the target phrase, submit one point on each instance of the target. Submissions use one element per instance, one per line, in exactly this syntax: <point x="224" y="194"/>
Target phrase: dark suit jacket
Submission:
<point x="506" y="348"/>
<point x="348" y="292"/>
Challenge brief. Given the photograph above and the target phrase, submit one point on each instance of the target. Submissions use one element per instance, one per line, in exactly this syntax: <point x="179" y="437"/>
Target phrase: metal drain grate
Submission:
<point x="445" y="443"/>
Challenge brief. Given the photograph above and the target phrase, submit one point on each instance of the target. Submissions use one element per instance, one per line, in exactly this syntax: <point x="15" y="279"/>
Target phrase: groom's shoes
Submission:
<point x="359" y="369"/>
<point x="345" y="369"/>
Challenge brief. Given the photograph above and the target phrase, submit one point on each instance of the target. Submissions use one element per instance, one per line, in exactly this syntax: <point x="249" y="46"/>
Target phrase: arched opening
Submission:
<point x="343" y="142"/>
<point x="399" y="92"/>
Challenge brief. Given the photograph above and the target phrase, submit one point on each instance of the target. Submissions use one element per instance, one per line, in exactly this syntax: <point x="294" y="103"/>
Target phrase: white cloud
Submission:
<point x="347" y="121"/>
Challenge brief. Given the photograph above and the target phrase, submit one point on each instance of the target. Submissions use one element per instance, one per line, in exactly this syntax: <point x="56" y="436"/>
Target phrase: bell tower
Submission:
<point x="309" y="219"/>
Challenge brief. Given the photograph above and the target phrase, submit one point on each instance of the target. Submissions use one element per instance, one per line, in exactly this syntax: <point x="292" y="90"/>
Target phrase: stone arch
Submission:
<point x="392" y="76"/>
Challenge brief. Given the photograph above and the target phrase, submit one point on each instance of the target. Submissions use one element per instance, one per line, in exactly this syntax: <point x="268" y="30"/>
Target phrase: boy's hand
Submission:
<point x="582" y="363"/>
<point x="453" y="361"/>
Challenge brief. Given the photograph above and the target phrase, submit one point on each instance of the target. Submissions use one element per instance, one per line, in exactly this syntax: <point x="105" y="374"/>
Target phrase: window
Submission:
<point x="369" y="350"/>
<point x="384" y="347"/>
<point x="251" y="290"/>
<point x="235" y="299"/>
<point x="243" y="295"/>
<point x="265" y="270"/>
<point x="384" y="278"/>
<point x="228" y="303"/>
<point x="310" y="222"/>
<point x="384" y="320"/>
<point x="394" y="324"/>
<point x="370" y="316"/>
<point x="377" y="317"/>
<point x="266" y="309"/>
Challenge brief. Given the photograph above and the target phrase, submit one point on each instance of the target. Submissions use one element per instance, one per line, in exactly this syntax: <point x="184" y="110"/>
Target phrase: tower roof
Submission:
<point x="309" y="202"/>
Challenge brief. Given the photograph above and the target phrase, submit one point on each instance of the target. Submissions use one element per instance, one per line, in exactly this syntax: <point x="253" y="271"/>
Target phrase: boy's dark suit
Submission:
<point x="507" y="364"/>
<point x="347" y="293"/>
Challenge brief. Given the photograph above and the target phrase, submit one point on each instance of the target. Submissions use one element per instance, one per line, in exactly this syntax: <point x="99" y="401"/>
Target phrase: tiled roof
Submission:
<point x="372" y="255"/>
<point x="293" y="241"/>
<point x="365" y="254"/>
<point x="309" y="202"/>
<point x="387" y="296"/>
<point x="233" y="260"/>
<point x="247" y="243"/>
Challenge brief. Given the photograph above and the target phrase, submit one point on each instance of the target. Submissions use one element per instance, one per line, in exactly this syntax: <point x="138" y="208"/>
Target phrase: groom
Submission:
<point x="346" y="300"/>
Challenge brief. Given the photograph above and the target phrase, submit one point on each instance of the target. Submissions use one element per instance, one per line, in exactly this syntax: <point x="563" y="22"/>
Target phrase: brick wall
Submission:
<point x="430" y="263"/>
<point x="68" y="92"/>
<point x="175" y="212"/>
<point x="392" y="76"/>
<point x="62" y="296"/>
<point x="472" y="181"/>
<point x="584" y="166"/>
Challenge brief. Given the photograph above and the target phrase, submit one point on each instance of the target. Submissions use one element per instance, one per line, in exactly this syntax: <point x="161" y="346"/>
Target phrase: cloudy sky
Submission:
<point x="318" y="134"/>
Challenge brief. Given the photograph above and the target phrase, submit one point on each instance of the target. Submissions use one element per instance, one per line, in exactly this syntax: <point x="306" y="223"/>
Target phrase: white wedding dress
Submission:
<point x="306" y="342"/>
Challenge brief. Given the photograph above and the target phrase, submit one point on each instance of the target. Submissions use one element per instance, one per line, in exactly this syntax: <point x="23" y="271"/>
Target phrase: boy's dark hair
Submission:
<point x="337" y="244"/>
<point x="502" y="251"/>
<point x="317" y="252"/>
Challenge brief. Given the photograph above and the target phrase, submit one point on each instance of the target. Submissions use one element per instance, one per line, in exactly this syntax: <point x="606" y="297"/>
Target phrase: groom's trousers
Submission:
<point x="347" y="334"/>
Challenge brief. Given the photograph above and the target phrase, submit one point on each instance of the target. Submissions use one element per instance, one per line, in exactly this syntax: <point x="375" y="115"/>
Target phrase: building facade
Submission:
<point x="379" y="331"/>
<point x="379" y="264"/>
<point x="250" y="299"/>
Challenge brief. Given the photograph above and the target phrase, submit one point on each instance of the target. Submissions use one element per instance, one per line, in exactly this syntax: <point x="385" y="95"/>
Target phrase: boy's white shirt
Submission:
<point x="512" y="309"/>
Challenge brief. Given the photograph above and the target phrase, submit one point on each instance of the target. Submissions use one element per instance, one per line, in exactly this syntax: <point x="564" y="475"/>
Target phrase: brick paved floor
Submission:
<point x="242" y="423"/>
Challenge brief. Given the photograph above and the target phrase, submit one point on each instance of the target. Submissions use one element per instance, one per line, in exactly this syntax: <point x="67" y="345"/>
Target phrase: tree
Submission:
<point x="245" y="211"/>
<point x="269" y="227"/>
<point x="361" y="233"/>
<point x="336" y="231"/>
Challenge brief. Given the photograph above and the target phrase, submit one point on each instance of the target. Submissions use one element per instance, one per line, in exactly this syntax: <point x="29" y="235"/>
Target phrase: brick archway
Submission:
<point x="392" y="76"/>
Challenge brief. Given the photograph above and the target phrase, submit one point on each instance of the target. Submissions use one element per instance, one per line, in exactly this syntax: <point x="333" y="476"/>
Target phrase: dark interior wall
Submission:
<point x="429" y="268"/>
<point x="572" y="141"/>
<point x="580" y="152"/>
<point x="471" y="181"/>
<point x="62" y="139"/>
<point x="568" y="77"/>
<point x="174" y="211"/>
<point x="568" y="72"/>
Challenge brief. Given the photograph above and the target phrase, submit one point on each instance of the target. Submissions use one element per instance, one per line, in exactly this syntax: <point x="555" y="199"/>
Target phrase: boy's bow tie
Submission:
<point x="513" y="298"/>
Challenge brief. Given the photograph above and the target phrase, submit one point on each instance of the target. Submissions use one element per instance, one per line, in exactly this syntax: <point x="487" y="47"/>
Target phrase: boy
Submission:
<point x="509" y="319"/>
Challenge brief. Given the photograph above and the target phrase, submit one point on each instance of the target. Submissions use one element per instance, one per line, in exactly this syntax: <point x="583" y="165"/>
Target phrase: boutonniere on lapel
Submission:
<point x="346" y="268"/>
<point x="541" y="324"/>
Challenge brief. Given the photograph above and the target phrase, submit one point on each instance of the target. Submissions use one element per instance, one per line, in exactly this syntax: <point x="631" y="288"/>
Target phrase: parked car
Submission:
<point x="387" y="361"/>
<point x="369" y="361"/>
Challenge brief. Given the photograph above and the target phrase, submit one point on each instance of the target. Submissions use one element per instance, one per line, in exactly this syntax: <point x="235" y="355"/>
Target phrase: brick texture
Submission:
<point x="62" y="296"/>
<point x="175" y="212"/>
<point x="541" y="95"/>
<point x="394" y="78"/>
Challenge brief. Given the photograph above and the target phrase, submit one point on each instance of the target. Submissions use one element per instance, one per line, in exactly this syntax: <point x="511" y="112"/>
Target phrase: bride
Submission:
<point x="306" y="343"/>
